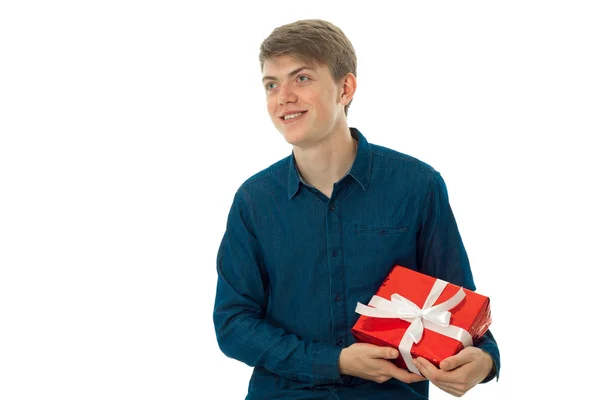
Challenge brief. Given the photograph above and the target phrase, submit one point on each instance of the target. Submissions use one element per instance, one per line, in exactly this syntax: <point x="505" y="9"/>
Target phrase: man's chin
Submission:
<point x="293" y="138"/>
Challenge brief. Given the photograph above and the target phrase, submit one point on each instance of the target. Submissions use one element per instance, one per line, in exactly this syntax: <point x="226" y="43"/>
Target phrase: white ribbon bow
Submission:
<point x="435" y="318"/>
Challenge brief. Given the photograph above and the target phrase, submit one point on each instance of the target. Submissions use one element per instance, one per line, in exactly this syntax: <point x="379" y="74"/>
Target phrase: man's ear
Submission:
<point x="348" y="88"/>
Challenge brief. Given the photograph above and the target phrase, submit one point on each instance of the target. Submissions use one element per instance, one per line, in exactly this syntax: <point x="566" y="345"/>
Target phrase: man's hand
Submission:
<point x="371" y="362"/>
<point x="459" y="373"/>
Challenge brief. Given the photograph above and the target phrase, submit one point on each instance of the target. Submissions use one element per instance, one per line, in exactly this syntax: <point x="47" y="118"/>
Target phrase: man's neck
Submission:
<point x="328" y="161"/>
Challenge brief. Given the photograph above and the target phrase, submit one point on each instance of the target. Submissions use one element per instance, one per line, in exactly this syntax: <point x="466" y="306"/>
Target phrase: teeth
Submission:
<point x="292" y="116"/>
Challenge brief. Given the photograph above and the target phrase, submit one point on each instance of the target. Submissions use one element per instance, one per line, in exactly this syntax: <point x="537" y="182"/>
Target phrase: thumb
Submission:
<point x="389" y="353"/>
<point x="453" y="362"/>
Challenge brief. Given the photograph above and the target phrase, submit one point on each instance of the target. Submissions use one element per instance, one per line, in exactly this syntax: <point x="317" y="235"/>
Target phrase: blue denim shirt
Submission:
<point x="293" y="264"/>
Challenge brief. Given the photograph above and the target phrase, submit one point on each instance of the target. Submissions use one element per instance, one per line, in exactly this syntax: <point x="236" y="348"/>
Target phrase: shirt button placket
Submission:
<point x="336" y="279"/>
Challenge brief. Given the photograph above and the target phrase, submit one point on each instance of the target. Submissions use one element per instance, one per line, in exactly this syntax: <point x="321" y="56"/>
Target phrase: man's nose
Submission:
<point x="287" y="94"/>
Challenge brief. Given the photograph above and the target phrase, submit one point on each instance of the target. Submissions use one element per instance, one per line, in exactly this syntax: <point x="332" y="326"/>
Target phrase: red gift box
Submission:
<point x="422" y="316"/>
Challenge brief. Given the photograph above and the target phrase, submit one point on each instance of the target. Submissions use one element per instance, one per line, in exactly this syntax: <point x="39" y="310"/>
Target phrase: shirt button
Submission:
<point x="340" y="343"/>
<point x="294" y="378"/>
<point x="338" y="297"/>
<point x="383" y="232"/>
<point x="332" y="208"/>
<point x="335" y="253"/>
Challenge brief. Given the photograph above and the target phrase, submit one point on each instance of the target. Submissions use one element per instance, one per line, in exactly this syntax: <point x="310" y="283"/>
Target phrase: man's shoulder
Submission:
<point x="395" y="159"/>
<point x="275" y="174"/>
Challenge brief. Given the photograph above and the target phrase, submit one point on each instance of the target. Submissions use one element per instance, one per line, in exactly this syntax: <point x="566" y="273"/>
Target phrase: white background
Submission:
<point x="127" y="126"/>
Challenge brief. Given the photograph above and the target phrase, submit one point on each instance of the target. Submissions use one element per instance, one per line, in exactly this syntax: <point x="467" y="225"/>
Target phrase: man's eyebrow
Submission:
<point x="294" y="72"/>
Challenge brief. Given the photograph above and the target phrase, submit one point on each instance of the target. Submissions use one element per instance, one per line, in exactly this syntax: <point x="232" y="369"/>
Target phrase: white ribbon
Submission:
<point x="435" y="318"/>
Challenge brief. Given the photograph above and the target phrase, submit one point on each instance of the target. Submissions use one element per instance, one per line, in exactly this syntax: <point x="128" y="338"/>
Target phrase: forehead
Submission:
<point x="283" y="65"/>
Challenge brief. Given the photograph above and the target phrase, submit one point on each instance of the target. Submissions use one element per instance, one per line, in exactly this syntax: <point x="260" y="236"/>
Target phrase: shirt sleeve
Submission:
<point x="241" y="300"/>
<point x="488" y="344"/>
<point x="441" y="252"/>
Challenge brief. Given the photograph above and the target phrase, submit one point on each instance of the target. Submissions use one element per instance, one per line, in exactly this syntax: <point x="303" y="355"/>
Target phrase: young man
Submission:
<point x="317" y="232"/>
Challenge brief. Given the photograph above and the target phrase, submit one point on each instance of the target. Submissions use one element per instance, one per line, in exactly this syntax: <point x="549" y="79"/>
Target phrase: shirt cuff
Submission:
<point x="493" y="352"/>
<point x="326" y="364"/>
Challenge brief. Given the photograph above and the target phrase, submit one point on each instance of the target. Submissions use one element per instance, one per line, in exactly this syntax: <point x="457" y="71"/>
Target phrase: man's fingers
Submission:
<point x="387" y="352"/>
<point x="404" y="375"/>
<point x="455" y="361"/>
<point x="428" y="370"/>
<point x="445" y="380"/>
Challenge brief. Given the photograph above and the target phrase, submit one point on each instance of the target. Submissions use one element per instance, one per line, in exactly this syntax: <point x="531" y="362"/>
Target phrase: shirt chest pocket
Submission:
<point x="377" y="246"/>
<point x="380" y="229"/>
<point x="384" y="242"/>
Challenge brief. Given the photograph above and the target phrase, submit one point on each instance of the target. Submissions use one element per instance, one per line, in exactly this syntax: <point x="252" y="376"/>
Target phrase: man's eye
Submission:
<point x="303" y="78"/>
<point x="270" y="85"/>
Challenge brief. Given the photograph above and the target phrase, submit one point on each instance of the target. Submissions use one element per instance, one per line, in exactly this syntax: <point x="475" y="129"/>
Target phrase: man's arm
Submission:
<point x="488" y="344"/>
<point x="441" y="253"/>
<point x="239" y="312"/>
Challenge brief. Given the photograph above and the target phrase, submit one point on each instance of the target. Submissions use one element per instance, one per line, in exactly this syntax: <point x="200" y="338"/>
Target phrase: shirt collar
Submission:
<point x="360" y="171"/>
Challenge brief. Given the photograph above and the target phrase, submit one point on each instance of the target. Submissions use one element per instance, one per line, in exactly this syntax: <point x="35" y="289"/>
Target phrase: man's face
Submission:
<point x="302" y="99"/>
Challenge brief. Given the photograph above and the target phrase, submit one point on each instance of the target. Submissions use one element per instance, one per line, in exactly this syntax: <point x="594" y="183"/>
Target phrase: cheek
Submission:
<point x="323" y="105"/>
<point x="271" y="106"/>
